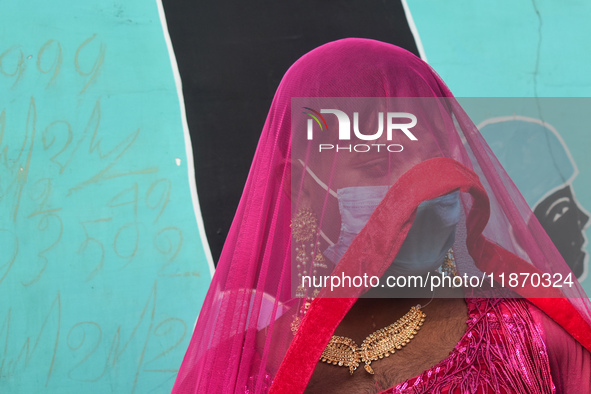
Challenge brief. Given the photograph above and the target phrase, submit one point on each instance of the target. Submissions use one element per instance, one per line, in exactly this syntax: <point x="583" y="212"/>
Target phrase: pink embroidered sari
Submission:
<point x="502" y="351"/>
<point x="244" y="338"/>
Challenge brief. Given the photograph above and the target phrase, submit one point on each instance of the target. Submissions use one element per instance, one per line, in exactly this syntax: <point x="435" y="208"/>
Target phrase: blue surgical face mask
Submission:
<point x="431" y="235"/>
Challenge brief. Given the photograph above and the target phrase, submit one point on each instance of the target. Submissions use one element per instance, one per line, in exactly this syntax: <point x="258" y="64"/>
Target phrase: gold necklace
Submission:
<point x="344" y="352"/>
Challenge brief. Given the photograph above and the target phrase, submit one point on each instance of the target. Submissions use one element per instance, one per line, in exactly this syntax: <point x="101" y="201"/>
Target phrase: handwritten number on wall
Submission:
<point x="55" y="62"/>
<point x="48" y="155"/>
<point x="87" y="61"/>
<point x="12" y="64"/>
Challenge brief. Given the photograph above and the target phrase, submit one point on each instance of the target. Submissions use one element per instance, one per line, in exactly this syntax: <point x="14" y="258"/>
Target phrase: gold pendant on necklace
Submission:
<point x="344" y="352"/>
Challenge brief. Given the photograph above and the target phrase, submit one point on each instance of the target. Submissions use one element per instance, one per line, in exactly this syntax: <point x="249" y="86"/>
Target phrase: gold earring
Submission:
<point x="295" y="324"/>
<point x="449" y="264"/>
<point x="304" y="230"/>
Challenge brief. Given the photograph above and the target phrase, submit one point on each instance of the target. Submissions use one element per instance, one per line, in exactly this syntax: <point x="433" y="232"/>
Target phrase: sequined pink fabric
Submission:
<point x="502" y="351"/>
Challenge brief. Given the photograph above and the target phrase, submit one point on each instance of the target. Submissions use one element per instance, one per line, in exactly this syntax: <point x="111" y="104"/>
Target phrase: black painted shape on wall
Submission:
<point x="564" y="221"/>
<point x="232" y="56"/>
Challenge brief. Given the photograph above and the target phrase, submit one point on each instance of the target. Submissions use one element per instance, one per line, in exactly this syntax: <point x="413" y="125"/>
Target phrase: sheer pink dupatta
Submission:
<point x="244" y="330"/>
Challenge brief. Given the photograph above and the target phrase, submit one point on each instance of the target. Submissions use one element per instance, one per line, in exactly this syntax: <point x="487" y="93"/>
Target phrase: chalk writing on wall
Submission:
<point x="102" y="269"/>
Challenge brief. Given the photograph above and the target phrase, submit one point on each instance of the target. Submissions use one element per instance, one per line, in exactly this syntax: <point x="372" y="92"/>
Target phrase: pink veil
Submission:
<point x="243" y="341"/>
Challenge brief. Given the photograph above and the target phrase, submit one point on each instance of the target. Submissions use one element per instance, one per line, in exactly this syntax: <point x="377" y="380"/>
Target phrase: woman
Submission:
<point x="376" y="197"/>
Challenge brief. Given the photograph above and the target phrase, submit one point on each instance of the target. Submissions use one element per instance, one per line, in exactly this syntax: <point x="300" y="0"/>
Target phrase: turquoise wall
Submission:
<point x="507" y="48"/>
<point x="536" y="49"/>
<point x="102" y="266"/>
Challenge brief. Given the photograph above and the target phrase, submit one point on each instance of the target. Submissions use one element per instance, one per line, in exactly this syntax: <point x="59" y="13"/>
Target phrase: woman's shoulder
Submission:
<point x="570" y="362"/>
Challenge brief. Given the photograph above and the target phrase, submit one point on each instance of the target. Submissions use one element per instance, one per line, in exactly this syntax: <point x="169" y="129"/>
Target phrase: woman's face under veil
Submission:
<point x="342" y="171"/>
